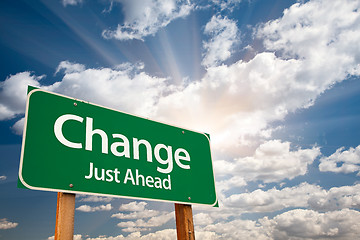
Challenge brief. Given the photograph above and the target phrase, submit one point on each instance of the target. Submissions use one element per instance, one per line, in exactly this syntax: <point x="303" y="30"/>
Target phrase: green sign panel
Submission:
<point x="75" y="146"/>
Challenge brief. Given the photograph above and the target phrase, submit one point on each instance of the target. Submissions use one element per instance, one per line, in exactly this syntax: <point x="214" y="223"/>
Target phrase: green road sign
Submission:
<point x="78" y="147"/>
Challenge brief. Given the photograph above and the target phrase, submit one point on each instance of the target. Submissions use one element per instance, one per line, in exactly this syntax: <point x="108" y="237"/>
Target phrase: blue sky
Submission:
<point x="275" y="83"/>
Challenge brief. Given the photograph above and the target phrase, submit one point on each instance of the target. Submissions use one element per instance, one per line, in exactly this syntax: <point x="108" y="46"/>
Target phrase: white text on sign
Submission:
<point x="136" y="179"/>
<point x="179" y="155"/>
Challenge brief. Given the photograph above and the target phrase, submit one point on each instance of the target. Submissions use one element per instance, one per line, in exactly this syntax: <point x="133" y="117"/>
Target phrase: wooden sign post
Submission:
<point x="65" y="211"/>
<point x="184" y="222"/>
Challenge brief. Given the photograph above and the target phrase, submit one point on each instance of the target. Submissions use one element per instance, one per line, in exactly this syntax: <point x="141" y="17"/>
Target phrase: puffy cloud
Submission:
<point x="297" y="224"/>
<point x="87" y="208"/>
<point x="166" y="234"/>
<point x="342" y="161"/>
<point x="202" y="219"/>
<point x="231" y="230"/>
<point x="304" y="195"/>
<point x="92" y="198"/>
<point x="18" y="127"/>
<point x="272" y="161"/>
<point x="69" y="67"/>
<point x="309" y="224"/>
<point x="13" y="93"/>
<point x="227" y="5"/>
<point x="146" y="213"/>
<point x="144" y="225"/>
<point x="223" y="36"/>
<point x="114" y="88"/>
<point x="321" y="34"/>
<point x="5" y="224"/>
<point x="133" y="206"/>
<point x="138" y="211"/>
<point x="336" y="198"/>
<point x="205" y="235"/>
<point x="273" y="199"/>
<point x="143" y="18"/>
<point x="76" y="237"/>
<point x="71" y="2"/>
<point x="238" y="102"/>
<point x="231" y="183"/>
<point x="3" y="178"/>
<point x="118" y="88"/>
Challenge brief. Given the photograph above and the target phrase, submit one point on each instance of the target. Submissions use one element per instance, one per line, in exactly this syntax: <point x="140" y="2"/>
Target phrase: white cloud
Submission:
<point x="304" y="195"/>
<point x="92" y="198"/>
<point x="223" y="37"/>
<point x="309" y="224"/>
<point x="76" y="237"/>
<point x="297" y="224"/>
<point x="87" y="208"/>
<point x="166" y="234"/>
<point x="231" y="183"/>
<point x="322" y="35"/>
<point x="133" y="206"/>
<point x="71" y="2"/>
<point x="69" y="67"/>
<point x="139" y="212"/>
<point x="231" y="230"/>
<point x="3" y="178"/>
<point x="101" y="86"/>
<point x="235" y="103"/>
<point x="13" y="93"/>
<point x="342" y="161"/>
<point x="135" y="229"/>
<point x="227" y="5"/>
<point x="18" y="127"/>
<point x="144" y="18"/>
<point x="90" y="85"/>
<point x="335" y="198"/>
<point x="119" y="89"/>
<point x="202" y="219"/>
<point x="5" y="224"/>
<point x="144" y="225"/>
<point x="146" y="213"/>
<point x="273" y="199"/>
<point x="272" y="161"/>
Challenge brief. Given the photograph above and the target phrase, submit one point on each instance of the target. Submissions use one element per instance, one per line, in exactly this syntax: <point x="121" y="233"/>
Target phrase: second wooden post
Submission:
<point x="184" y="222"/>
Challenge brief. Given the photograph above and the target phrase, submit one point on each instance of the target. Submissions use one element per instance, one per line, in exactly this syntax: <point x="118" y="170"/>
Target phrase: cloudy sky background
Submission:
<point x="275" y="83"/>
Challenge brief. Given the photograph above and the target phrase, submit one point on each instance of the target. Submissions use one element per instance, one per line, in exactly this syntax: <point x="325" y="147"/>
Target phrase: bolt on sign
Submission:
<point x="77" y="147"/>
